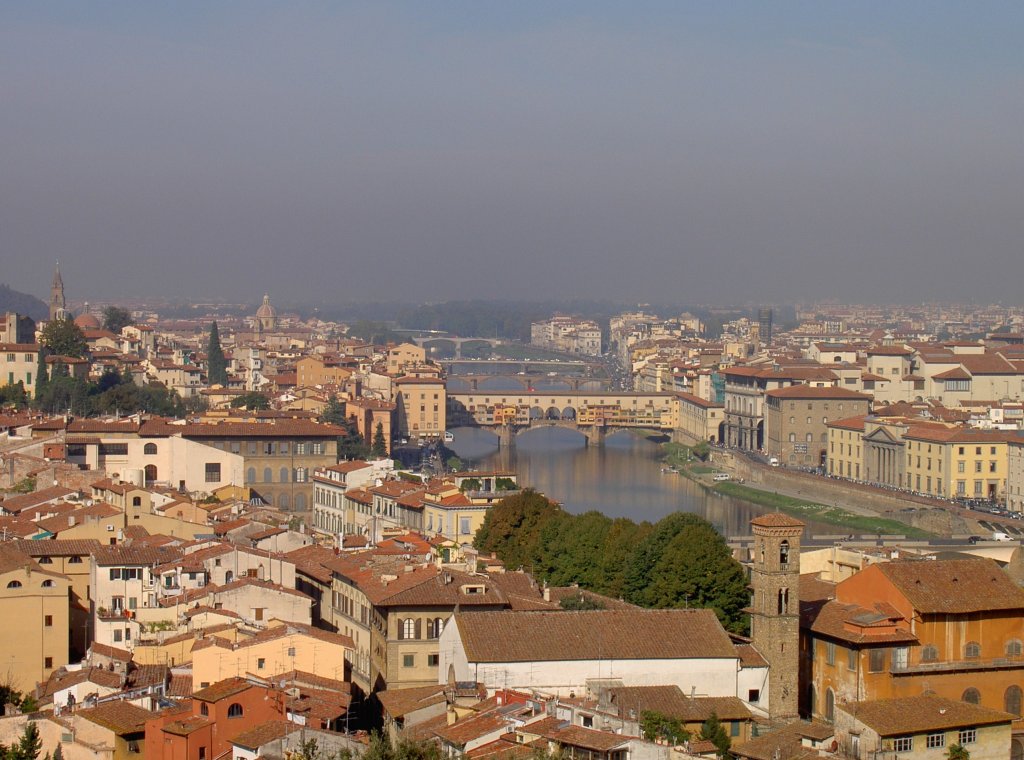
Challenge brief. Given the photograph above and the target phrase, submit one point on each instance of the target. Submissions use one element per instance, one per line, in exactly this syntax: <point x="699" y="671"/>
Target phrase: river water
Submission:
<point x="621" y="479"/>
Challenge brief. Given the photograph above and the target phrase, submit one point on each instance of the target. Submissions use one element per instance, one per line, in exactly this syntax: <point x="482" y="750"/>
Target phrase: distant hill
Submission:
<point x="23" y="303"/>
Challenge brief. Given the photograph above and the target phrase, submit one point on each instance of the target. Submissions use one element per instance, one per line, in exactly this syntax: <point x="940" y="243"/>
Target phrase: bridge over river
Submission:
<point x="592" y="413"/>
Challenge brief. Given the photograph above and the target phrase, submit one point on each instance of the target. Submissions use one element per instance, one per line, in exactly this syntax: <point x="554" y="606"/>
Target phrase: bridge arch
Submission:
<point x="553" y="413"/>
<point x="569" y="413"/>
<point x="536" y="413"/>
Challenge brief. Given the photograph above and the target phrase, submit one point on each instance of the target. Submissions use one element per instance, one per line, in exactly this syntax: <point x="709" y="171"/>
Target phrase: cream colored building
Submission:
<point x="957" y="462"/>
<point x="18" y="363"/>
<point x="278" y="650"/>
<point x="421" y="406"/>
<point x="35" y="635"/>
<point x="404" y="355"/>
<point x="698" y="419"/>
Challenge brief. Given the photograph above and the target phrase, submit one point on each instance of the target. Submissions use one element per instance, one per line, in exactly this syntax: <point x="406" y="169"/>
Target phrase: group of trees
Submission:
<point x="351" y="443"/>
<point x="680" y="561"/>
<point x="112" y="393"/>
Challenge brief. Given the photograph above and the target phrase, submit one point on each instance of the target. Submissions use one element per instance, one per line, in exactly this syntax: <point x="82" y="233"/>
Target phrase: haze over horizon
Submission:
<point x="648" y="152"/>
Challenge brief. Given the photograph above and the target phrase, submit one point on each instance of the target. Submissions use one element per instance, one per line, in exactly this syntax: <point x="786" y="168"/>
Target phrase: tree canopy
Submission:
<point x="112" y="393"/>
<point x="216" y="362"/>
<point x="380" y="445"/>
<point x="253" y="400"/>
<point x="115" y="319"/>
<point x="680" y="561"/>
<point x="64" y="337"/>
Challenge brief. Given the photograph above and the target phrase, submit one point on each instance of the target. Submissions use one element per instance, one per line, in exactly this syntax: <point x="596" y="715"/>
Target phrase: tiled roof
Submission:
<point x="670" y="701"/>
<point x="121" y="554"/>
<point x="58" y="547"/>
<point x="113" y="653"/>
<point x="776" y="520"/>
<point x="916" y="715"/>
<point x="283" y="428"/>
<point x="15" y="504"/>
<point x="259" y="735"/>
<point x="953" y="586"/>
<point x="399" y="702"/>
<point x="222" y="690"/>
<point x="119" y="717"/>
<point x="813" y="392"/>
<point x="593" y="634"/>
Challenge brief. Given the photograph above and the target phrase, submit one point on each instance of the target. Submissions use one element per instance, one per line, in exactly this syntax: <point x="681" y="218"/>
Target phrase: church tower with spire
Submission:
<point x="58" y="306"/>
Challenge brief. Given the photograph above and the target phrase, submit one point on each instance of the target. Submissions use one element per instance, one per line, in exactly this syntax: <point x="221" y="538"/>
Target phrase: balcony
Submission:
<point x="952" y="666"/>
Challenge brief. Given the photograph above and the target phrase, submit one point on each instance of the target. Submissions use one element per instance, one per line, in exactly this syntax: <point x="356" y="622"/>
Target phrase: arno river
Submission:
<point x="621" y="479"/>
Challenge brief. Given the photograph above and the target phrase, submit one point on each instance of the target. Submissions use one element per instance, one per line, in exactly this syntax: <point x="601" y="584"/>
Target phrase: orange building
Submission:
<point x="369" y="413"/>
<point x="217" y="715"/>
<point x="953" y="628"/>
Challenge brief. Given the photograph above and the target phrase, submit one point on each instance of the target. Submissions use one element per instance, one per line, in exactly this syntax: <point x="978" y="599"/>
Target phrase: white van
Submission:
<point x="997" y="536"/>
<point x="719" y="476"/>
<point x="774" y="461"/>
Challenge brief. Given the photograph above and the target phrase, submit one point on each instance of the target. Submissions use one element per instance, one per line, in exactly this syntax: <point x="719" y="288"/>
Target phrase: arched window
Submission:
<point x="1013" y="648"/>
<point x="929" y="653"/>
<point x="268" y="475"/>
<point x="48" y="584"/>
<point x="136" y="501"/>
<point x="14" y="584"/>
<point x="408" y="629"/>
<point x="792" y="437"/>
<point x="972" y="696"/>
<point x="149" y="449"/>
<point x="250" y="475"/>
<point x="300" y="502"/>
<point x="810" y="437"/>
<point x="282" y="501"/>
<point x="150" y="473"/>
<point x="235" y="710"/>
<point x="973" y="650"/>
<point x="284" y="474"/>
<point x="784" y="553"/>
<point x="830" y="705"/>
<point x="1012" y="700"/>
<point x="783" y="600"/>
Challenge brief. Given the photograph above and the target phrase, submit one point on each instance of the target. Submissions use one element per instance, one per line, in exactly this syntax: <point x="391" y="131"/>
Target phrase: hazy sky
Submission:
<point x="436" y="150"/>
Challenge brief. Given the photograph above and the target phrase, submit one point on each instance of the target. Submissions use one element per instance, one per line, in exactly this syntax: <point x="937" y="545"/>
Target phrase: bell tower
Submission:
<point x="58" y="306"/>
<point x="775" y="608"/>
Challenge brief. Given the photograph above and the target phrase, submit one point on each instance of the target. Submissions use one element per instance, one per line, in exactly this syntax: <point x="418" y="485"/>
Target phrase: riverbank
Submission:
<point x="680" y="458"/>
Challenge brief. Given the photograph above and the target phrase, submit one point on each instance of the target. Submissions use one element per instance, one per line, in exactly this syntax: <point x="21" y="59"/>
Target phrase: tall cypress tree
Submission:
<point x="216" y="363"/>
<point x="42" y="376"/>
<point x="380" y="446"/>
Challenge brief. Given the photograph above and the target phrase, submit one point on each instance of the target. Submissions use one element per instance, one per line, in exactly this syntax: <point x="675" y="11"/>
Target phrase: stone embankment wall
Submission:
<point x="927" y="514"/>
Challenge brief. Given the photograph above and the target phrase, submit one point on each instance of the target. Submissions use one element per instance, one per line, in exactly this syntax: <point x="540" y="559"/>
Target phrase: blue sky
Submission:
<point x="633" y="151"/>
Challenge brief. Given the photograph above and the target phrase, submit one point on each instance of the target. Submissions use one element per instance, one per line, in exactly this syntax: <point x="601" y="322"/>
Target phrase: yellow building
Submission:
<point x="844" y="447"/>
<point x="698" y="419"/>
<point x="281" y="649"/>
<point x="404" y="355"/>
<point x="321" y="370"/>
<point x="421" y="403"/>
<point x="34" y="638"/>
<point x="18" y="362"/>
<point x="957" y="462"/>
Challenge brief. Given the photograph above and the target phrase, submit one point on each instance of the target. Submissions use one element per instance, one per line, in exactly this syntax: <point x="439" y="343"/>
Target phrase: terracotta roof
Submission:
<point x="399" y="702"/>
<point x="854" y="623"/>
<point x="784" y="744"/>
<point x="671" y="701"/>
<point x="849" y="423"/>
<point x="953" y="586"/>
<point x="15" y="504"/>
<point x="119" y="717"/>
<point x="58" y="547"/>
<point x="814" y="392"/>
<point x="593" y="634"/>
<point x="280" y="428"/>
<point x="776" y="520"/>
<point x="917" y="715"/>
<point x="122" y="554"/>
<point x="222" y="690"/>
<point x="259" y="735"/>
<point x="578" y="736"/>
<point x="113" y="653"/>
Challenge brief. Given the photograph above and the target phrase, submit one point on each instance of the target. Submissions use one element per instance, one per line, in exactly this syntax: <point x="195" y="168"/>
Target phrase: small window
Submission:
<point x="235" y="710"/>
<point x="47" y="662"/>
<point x="75" y="561"/>
<point x="204" y="709"/>
<point x="291" y="651"/>
<point x="1013" y="648"/>
<point x="973" y="650"/>
<point x="433" y="660"/>
<point x="903" y="744"/>
<point x="408" y="660"/>
<point x="149" y="449"/>
<point x="971" y="696"/>
<point x="876" y="660"/>
<point x="936" y="741"/>
<point x="261" y="663"/>
<point x="48" y="621"/>
<point x="967" y="736"/>
<point x="929" y="653"/>
<point x="14" y="584"/>
<point x="202" y="753"/>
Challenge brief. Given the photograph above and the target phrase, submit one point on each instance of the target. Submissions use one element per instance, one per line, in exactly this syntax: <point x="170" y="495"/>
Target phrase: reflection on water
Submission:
<point x="621" y="479"/>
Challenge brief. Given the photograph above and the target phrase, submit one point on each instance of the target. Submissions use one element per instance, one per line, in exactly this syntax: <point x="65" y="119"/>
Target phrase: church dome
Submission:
<point x="266" y="311"/>
<point x="88" y="322"/>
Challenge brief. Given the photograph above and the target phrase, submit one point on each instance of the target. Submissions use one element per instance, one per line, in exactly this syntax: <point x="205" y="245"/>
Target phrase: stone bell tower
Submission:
<point x="775" y="608"/>
<point x="58" y="306"/>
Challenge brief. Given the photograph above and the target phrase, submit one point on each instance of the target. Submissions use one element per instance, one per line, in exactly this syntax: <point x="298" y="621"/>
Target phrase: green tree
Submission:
<point x="958" y="752"/>
<point x="216" y="362"/>
<point x="512" y="527"/>
<point x="334" y="412"/>
<point x="470" y="484"/>
<point x="42" y="372"/>
<point x="64" y="337"/>
<point x="380" y="445"/>
<point x="58" y="753"/>
<point x="14" y="395"/>
<point x="116" y="319"/>
<point x="28" y="747"/>
<point x="656" y="726"/>
<point x="701" y="450"/>
<point x="580" y="602"/>
<point x="454" y="464"/>
<point x="253" y="401"/>
<point x="713" y="731"/>
<point x="351" y="444"/>
<point x="505" y="484"/>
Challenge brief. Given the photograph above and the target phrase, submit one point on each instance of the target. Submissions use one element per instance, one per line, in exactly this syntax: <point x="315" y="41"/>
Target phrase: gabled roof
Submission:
<point x="120" y="717"/>
<point x="593" y="634"/>
<point x="953" y="586"/>
<point x="923" y="714"/>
